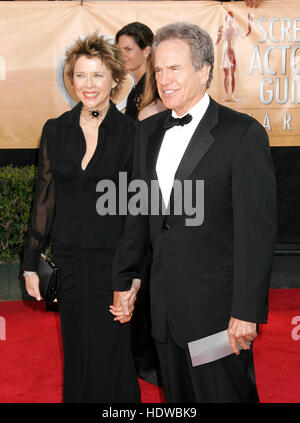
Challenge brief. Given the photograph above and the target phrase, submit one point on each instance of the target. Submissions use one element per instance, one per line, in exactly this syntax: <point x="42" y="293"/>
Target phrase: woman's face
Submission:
<point x="133" y="56"/>
<point x="92" y="82"/>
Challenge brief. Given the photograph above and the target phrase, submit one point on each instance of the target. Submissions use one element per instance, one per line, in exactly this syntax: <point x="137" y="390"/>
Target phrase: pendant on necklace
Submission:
<point x="93" y="114"/>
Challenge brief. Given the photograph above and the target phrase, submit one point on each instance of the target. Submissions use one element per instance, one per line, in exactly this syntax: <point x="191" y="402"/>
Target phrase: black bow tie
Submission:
<point x="171" y="121"/>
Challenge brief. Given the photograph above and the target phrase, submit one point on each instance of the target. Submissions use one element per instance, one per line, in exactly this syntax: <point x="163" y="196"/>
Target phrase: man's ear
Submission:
<point x="204" y="71"/>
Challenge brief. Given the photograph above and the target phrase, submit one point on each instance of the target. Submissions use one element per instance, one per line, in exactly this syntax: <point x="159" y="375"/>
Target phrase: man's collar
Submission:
<point x="197" y="109"/>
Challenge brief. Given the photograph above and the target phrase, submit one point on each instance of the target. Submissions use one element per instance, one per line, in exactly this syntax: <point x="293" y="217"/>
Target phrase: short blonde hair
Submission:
<point x="94" y="45"/>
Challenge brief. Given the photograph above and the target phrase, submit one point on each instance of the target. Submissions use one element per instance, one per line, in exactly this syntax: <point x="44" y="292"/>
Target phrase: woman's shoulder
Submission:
<point x="155" y="107"/>
<point x="69" y="117"/>
<point x="124" y="119"/>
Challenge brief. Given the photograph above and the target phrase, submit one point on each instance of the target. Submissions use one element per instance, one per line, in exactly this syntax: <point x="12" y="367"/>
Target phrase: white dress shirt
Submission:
<point x="173" y="146"/>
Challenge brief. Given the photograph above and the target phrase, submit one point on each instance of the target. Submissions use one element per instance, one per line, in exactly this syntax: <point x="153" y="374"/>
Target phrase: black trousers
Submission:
<point x="230" y="379"/>
<point x="143" y="346"/>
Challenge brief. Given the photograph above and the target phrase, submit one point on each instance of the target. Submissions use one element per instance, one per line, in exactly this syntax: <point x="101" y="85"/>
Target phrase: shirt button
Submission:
<point x="166" y="227"/>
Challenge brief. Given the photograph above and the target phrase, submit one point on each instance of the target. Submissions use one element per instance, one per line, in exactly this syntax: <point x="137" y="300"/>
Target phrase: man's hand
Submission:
<point x="253" y="3"/>
<point x="32" y="286"/>
<point x="240" y="332"/>
<point x="123" y="305"/>
<point x="117" y="310"/>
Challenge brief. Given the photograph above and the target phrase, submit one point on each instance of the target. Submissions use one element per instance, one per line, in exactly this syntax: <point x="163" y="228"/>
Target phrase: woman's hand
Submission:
<point x="123" y="305"/>
<point x="117" y="310"/>
<point x="32" y="286"/>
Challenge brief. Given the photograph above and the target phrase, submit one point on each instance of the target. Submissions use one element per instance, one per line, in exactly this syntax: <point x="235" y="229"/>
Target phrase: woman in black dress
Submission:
<point x="92" y="142"/>
<point x="134" y="41"/>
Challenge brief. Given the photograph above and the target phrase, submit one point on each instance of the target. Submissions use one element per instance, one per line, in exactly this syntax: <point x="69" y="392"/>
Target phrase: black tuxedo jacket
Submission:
<point x="202" y="275"/>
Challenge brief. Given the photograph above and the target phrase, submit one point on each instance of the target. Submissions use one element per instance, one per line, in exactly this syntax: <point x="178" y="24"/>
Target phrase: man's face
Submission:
<point x="179" y="85"/>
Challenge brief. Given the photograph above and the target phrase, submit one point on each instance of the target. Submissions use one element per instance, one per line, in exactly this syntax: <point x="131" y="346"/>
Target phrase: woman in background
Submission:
<point x="151" y="103"/>
<point x="90" y="143"/>
<point x="134" y="41"/>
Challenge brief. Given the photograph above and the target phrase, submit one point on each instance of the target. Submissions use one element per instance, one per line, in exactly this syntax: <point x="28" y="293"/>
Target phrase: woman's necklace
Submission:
<point x="93" y="114"/>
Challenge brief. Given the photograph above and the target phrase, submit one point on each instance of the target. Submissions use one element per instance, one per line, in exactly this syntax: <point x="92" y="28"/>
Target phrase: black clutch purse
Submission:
<point x="48" y="275"/>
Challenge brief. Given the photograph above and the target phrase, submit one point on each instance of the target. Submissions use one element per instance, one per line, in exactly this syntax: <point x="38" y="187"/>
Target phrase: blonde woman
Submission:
<point x="92" y="142"/>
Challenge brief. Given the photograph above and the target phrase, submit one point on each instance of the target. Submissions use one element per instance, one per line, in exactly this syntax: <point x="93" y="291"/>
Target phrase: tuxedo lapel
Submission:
<point x="200" y="143"/>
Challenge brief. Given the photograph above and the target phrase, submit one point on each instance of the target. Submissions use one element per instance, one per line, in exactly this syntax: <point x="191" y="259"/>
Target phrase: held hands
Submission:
<point x="240" y="332"/>
<point x="123" y="305"/>
<point x="32" y="286"/>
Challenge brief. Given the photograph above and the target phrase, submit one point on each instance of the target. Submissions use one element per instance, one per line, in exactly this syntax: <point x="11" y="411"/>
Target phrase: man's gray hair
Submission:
<point x="200" y="42"/>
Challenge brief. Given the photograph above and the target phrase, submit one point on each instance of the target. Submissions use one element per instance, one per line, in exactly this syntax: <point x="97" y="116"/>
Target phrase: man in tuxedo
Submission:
<point x="211" y="273"/>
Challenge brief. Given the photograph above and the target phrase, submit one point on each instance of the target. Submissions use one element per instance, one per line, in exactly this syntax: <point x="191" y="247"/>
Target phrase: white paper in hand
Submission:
<point x="210" y="348"/>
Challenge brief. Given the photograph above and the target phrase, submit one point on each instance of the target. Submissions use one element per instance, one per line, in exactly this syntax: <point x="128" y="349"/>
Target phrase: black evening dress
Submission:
<point x="135" y="98"/>
<point x="98" y="363"/>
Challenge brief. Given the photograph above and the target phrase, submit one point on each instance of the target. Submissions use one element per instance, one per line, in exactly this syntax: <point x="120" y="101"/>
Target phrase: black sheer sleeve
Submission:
<point x="43" y="210"/>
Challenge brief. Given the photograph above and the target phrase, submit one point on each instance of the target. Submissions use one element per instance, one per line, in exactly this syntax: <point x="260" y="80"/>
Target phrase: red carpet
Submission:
<point x="31" y="354"/>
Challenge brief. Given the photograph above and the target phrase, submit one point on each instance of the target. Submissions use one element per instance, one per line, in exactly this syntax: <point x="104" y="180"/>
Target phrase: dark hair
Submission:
<point x="150" y="93"/>
<point x="94" y="45"/>
<point x="142" y="34"/>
